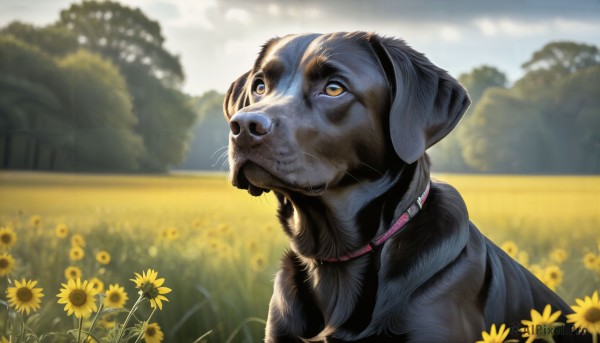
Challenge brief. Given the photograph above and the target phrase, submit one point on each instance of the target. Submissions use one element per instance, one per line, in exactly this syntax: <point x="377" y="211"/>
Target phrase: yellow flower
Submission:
<point x="590" y="261"/>
<point x="171" y="233"/>
<point x="24" y="297"/>
<point x="553" y="276"/>
<point x="107" y="321"/>
<point x="511" y="248"/>
<point x="153" y="333"/>
<point x="150" y="287"/>
<point x="587" y="314"/>
<point x="77" y="240"/>
<point x="258" y="262"/>
<point x="4" y="340"/>
<point x="76" y="253"/>
<point x="97" y="285"/>
<point x="559" y="255"/>
<point x="252" y="245"/>
<point x="72" y="273"/>
<point x="78" y="298"/>
<point x="61" y="231"/>
<point x="541" y="326"/>
<point x="35" y="220"/>
<point x="7" y="264"/>
<point x="103" y="257"/>
<point x="536" y="270"/>
<point x="116" y="297"/>
<point x="7" y="237"/>
<point x="495" y="336"/>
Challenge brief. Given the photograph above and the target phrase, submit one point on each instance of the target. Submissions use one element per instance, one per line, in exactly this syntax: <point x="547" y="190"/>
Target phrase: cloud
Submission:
<point x="238" y="15"/>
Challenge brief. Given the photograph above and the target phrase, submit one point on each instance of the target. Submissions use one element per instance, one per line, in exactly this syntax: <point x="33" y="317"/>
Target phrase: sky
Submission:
<point x="218" y="40"/>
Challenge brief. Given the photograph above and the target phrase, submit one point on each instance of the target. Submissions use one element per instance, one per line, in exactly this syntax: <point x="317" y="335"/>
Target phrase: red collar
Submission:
<point x="399" y="224"/>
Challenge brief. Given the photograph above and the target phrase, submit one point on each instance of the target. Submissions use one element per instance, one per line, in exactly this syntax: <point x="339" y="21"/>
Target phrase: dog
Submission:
<point x="337" y="126"/>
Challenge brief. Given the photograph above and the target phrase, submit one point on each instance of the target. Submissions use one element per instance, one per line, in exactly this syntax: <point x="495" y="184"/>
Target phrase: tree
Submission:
<point x="54" y="40"/>
<point x="124" y="35"/>
<point x="554" y="62"/>
<point x="447" y="155"/>
<point x="100" y="111"/>
<point x="208" y="147"/>
<point x="134" y="44"/>
<point x="31" y="108"/>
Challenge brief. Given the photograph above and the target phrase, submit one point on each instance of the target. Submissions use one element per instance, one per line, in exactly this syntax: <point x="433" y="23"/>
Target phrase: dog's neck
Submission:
<point x="344" y="219"/>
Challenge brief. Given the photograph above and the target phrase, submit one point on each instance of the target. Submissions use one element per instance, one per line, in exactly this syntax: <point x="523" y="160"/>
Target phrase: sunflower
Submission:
<point x="258" y="262"/>
<point x="97" y="284"/>
<point x="587" y="314"/>
<point x="35" y="220"/>
<point x="495" y="336"/>
<point x="511" y="248"/>
<point x="7" y="237"/>
<point x="78" y="298"/>
<point x="171" y="233"/>
<point x="72" y="273"/>
<point x="107" y="321"/>
<point x="7" y="264"/>
<point x="559" y="255"/>
<point x="150" y="287"/>
<point x="76" y="253"/>
<point x="77" y="240"/>
<point x="61" y="230"/>
<point x="541" y="326"/>
<point x="103" y="257"/>
<point x="24" y="297"/>
<point x="153" y="333"/>
<point x="116" y="297"/>
<point x="553" y="276"/>
<point x="590" y="261"/>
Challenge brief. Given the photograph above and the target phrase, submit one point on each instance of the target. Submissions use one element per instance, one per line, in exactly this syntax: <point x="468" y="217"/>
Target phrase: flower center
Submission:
<point x="149" y="290"/>
<point x="114" y="297"/>
<point x="150" y="331"/>
<point x="592" y="315"/>
<point x="78" y="297"/>
<point x="3" y="263"/>
<point x="6" y="238"/>
<point x="24" y="294"/>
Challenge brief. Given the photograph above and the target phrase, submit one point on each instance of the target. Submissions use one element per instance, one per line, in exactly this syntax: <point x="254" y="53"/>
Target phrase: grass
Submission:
<point x="218" y="248"/>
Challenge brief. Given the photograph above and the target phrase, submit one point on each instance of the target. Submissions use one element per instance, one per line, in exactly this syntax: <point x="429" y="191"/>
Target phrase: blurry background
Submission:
<point x="137" y="85"/>
<point x="104" y="105"/>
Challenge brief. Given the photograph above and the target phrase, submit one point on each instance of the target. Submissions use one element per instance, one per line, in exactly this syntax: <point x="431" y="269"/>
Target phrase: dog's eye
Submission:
<point x="334" y="89"/>
<point x="259" y="87"/>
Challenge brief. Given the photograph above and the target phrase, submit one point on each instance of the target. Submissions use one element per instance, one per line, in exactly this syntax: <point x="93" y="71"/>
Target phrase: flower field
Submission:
<point x="216" y="249"/>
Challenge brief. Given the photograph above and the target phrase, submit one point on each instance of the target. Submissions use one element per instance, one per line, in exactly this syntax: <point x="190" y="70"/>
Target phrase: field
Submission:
<point x="217" y="247"/>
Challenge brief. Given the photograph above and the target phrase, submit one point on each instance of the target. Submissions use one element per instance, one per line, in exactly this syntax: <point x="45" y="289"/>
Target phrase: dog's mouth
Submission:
<point x="257" y="180"/>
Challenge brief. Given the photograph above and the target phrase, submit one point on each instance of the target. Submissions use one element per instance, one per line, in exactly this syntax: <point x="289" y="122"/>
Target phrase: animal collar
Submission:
<point x="398" y="225"/>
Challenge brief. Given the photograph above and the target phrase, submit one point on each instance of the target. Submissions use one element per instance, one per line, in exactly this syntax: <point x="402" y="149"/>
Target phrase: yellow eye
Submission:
<point x="334" y="89"/>
<point x="259" y="87"/>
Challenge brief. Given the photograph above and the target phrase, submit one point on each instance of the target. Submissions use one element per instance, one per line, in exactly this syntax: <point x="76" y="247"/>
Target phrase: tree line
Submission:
<point x="96" y="90"/>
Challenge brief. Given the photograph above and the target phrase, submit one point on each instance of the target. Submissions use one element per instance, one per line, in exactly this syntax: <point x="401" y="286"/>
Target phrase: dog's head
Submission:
<point x="317" y="112"/>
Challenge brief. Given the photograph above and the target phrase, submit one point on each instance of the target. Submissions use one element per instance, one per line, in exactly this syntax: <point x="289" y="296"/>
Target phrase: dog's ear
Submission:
<point x="236" y="97"/>
<point x="426" y="102"/>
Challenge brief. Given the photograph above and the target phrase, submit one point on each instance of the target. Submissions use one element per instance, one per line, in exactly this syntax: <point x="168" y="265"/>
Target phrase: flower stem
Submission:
<point x="147" y="320"/>
<point x="22" y="333"/>
<point x="79" y="331"/>
<point x="133" y="309"/>
<point x="95" y="319"/>
<point x="595" y="338"/>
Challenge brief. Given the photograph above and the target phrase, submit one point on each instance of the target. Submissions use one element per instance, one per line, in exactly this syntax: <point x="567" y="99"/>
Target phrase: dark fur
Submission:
<point x="438" y="280"/>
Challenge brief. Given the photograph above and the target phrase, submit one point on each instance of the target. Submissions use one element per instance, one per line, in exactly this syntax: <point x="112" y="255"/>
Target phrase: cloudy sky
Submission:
<point x="219" y="39"/>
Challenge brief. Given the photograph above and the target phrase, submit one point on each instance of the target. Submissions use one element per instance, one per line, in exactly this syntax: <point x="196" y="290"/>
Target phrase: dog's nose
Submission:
<point x="250" y="127"/>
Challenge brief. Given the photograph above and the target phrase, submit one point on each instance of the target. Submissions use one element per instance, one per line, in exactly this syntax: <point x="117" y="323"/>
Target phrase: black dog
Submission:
<point x="337" y="126"/>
